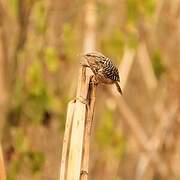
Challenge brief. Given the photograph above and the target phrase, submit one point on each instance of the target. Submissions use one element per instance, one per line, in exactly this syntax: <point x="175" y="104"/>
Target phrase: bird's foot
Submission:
<point x="84" y="64"/>
<point x="81" y="99"/>
<point x="94" y="80"/>
<point x="83" y="172"/>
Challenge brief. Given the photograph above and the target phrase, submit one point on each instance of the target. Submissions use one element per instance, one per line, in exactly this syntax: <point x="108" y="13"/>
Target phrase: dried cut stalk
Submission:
<point x="2" y="168"/>
<point x="78" y="126"/>
<point x="84" y="107"/>
<point x="87" y="135"/>
<point x="66" y="139"/>
<point x="89" y="45"/>
<point x="3" y="81"/>
<point x="80" y="115"/>
<point x="76" y="143"/>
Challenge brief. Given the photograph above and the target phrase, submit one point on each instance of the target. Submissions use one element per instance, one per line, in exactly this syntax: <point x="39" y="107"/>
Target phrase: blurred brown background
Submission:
<point x="40" y="46"/>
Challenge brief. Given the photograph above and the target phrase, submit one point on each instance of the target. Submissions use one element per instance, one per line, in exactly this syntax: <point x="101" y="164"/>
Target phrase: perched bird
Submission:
<point x="103" y="68"/>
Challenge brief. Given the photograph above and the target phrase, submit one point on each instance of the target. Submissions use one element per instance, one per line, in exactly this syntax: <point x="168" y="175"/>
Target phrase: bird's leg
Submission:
<point x="94" y="80"/>
<point x="83" y="173"/>
<point x="84" y="64"/>
<point x="81" y="99"/>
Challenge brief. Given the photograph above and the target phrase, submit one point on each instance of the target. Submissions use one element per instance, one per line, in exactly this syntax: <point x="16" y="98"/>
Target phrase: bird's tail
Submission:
<point x="118" y="88"/>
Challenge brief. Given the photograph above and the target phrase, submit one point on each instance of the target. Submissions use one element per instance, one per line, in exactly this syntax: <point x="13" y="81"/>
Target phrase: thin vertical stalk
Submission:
<point x="78" y="126"/>
<point x="87" y="135"/>
<point x="2" y="167"/>
<point x="66" y="139"/>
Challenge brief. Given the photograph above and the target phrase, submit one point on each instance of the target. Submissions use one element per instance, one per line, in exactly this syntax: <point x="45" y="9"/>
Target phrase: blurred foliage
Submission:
<point x="51" y="59"/>
<point x="70" y="40"/>
<point x="14" y="5"/>
<point x="39" y="16"/>
<point x="34" y="76"/>
<point x="22" y="154"/>
<point x="112" y="44"/>
<point x="37" y="93"/>
<point x="103" y="10"/>
<point x="37" y="160"/>
<point x="139" y="8"/>
<point x="47" y="68"/>
<point x="106" y="131"/>
<point x="158" y="65"/>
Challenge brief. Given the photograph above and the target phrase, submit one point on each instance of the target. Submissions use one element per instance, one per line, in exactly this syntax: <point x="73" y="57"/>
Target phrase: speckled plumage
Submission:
<point x="103" y="68"/>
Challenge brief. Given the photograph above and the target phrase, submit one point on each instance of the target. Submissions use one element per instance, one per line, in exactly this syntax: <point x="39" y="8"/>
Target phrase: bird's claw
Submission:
<point x="83" y="172"/>
<point x="94" y="80"/>
<point x="81" y="99"/>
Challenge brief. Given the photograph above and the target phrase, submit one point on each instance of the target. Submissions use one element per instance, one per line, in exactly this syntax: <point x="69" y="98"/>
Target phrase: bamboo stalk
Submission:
<point x="77" y="133"/>
<point x="3" y="80"/>
<point x="158" y="140"/>
<point x="66" y="139"/>
<point x="80" y="115"/>
<point x="87" y="136"/>
<point x="89" y="45"/>
<point x="126" y="65"/>
<point x="146" y="66"/>
<point x="83" y="109"/>
<point x="2" y="167"/>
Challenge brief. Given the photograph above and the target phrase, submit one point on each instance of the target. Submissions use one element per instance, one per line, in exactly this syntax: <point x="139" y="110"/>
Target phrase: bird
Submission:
<point x="103" y="68"/>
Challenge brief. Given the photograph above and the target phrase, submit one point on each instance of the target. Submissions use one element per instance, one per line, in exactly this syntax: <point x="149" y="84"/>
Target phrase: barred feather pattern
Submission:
<point x="103" y="68"/>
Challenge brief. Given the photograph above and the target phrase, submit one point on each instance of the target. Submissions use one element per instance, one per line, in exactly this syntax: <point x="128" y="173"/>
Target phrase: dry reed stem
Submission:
<point x="131" y="120"/>
<point x="3" y="83"/>
<point x="66" y="139"/>
<point x="78" y="125"/>
<point x="90" y="26"/>
<point x="87" y="135"/>
<point x="133" y="124"/>
<point x="139" y="134"/>
<point x="146" y="66"/>
<point x="167" y="118"/>
<point x="126" y="65"/>
<point x="89" y="46"/>
<point x="2" y="167"/>
<point x="84" y="105"/>
<point x="125" y="69"/>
